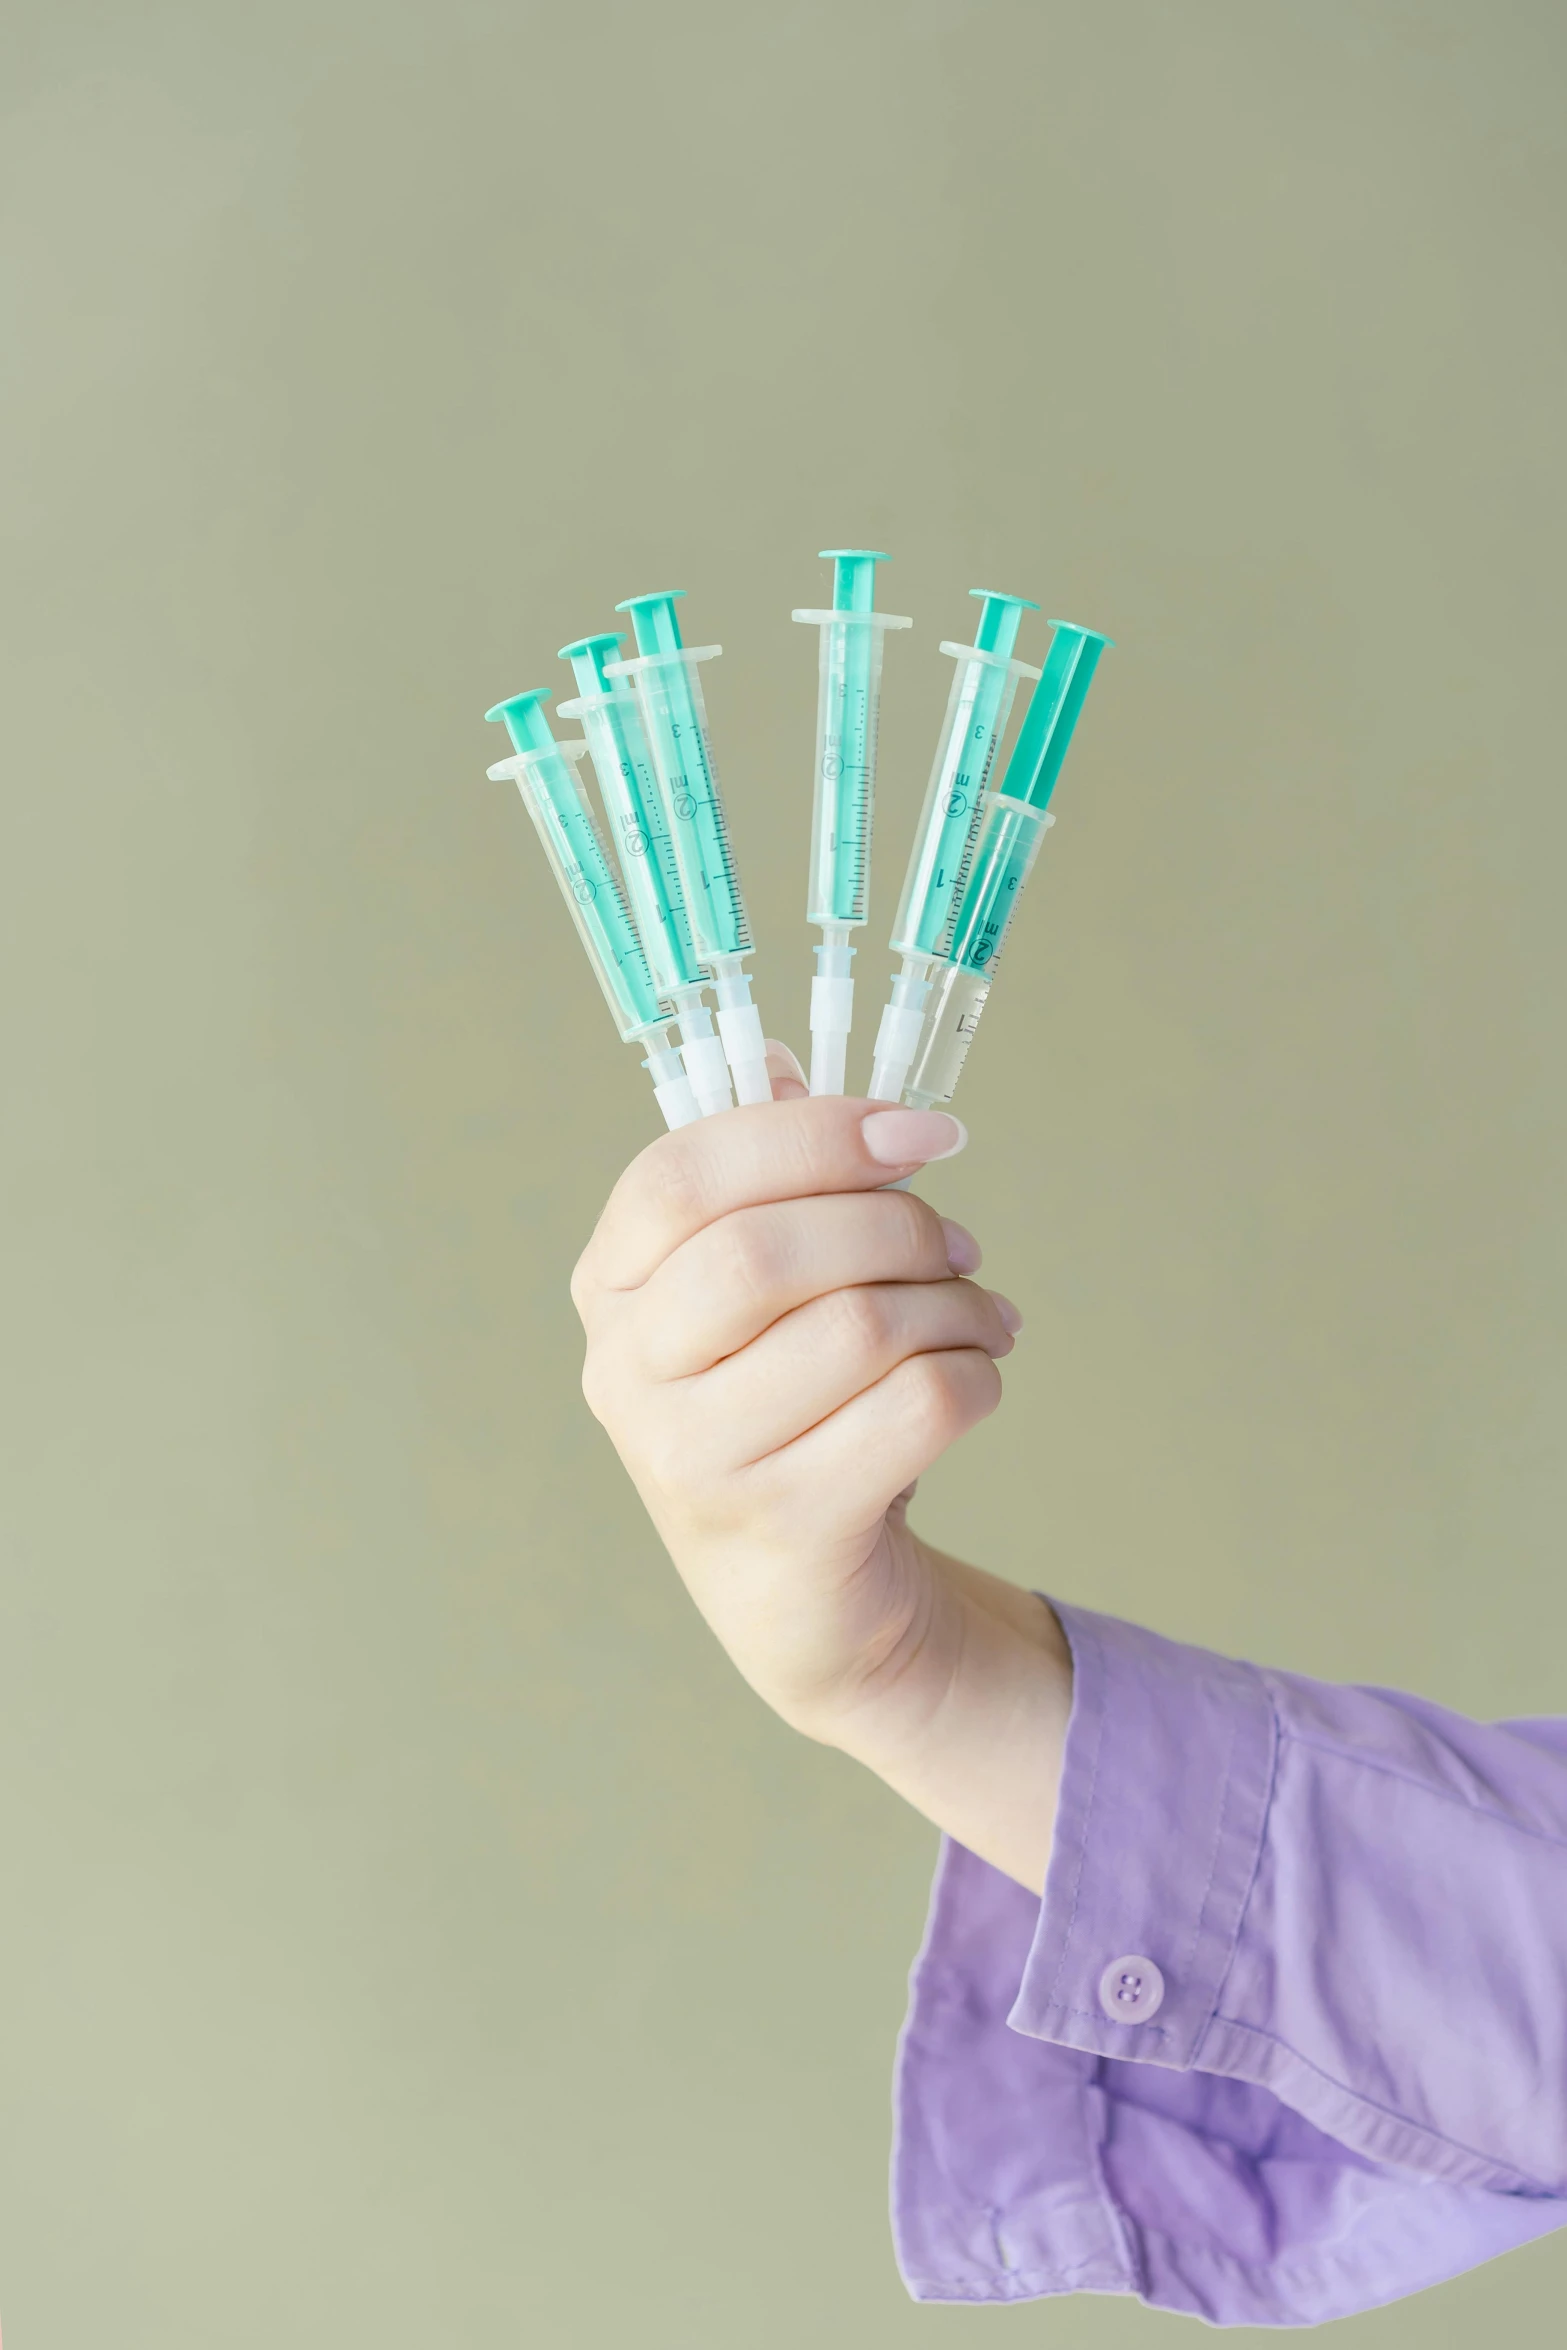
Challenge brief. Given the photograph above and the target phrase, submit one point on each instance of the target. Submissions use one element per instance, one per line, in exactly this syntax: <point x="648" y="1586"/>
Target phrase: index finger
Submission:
<point x="743" y="1158"/>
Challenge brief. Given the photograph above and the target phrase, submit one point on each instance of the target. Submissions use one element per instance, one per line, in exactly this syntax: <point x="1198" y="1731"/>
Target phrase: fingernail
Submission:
<point x="964" y="1254"/>
<point x="1011" y="1319"/>
<point x="784" y="1072"/>
<point x="910" y="1138"/>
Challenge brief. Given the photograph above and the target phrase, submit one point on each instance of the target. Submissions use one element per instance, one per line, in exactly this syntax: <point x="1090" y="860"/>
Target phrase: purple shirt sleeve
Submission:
<point x="1287" y="2035"/>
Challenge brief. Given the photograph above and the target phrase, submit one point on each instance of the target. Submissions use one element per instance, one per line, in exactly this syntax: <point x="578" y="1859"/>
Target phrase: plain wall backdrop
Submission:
<point x="413" y="1932"/>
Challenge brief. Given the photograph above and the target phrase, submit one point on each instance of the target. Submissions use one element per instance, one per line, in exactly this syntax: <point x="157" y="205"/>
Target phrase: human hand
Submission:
<point x="778" y="1345"/>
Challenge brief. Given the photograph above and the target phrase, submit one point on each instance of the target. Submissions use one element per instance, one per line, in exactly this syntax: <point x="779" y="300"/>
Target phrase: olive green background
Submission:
<point x="413" y="1933"/>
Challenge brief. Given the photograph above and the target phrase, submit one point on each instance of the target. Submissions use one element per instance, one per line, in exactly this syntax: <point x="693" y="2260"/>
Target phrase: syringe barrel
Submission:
<point x="674" y="719"/>
<point x="580" y="860"/>
<point x="847" y="709"/>
<point x="978" y="707"/>
<point x="951" y="1017"/>
<point x="1010" y="836"/>
<point x="621" y="761"/>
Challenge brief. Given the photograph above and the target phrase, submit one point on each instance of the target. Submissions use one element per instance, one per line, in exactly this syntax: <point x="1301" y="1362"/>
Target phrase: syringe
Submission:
<point x="978" y="707"/>
<point x="618" y="748"/>
<point x="544" y="771"/>
<point x="1011" y="833"/>
<point x="674" y="719"/>
<point x="847" y="701"/>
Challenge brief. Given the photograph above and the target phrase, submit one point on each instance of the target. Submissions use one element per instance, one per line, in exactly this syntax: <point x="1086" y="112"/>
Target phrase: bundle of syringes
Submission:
<point x="663" y="920"/>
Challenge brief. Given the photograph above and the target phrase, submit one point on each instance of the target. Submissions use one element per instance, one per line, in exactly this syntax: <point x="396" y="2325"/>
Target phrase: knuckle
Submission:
<point x="858" y="1321"/>
<point x="930" y="1395"/>
<point x="976" y="1312"/>
<point x="949" y="1391"/>
<point x="749" y="1256"/>
<point x="674" y="1180"/>
<point x="597" y="1386"/>
<point x="684" y="1471"/>
<point x="809" y="1144"/>
<point x="587" y="1274"/>
<point x="919" y="1227"/>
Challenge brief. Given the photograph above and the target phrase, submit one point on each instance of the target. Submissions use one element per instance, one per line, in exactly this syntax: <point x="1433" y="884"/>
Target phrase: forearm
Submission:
<point x="972" y="1729"/>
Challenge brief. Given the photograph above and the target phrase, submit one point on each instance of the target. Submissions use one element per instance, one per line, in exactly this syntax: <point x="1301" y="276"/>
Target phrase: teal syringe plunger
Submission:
<point x="1010" y="836"/>
<point x="978" y="706"/>
<point x="848" y="700"/>
<point x="668" y="687"/>
<point x="544" y="772"/>
<point x="612" y="724"/>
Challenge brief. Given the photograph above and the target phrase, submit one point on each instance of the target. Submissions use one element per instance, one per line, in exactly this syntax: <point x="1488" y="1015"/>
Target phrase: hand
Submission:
<point x="778" y="1345"/>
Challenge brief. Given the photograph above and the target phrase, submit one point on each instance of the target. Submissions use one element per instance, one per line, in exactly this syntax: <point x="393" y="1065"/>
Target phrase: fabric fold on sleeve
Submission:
<point x="1226" y="2063"/>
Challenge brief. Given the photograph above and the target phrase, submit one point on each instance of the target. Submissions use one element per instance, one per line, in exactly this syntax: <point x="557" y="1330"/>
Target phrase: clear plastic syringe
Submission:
<point x="983" y="684"/>
<point x="1011" y="833"/>
<point x="544" y="772"/>
<point x="847" y="704"/>
<point x="674" y="719"/>
<point x="618" y="748"/>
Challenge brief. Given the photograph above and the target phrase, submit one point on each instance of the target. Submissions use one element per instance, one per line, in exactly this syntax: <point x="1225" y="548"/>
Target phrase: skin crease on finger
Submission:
<point x="745" y="1157"/>
<point x="819" y="1357"/>
<point x="778" y="1346"/>
<point x="729" y="1282"/>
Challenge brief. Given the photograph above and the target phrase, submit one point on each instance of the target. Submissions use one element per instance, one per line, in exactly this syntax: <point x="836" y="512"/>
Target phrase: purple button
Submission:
<point x="1131" y="1990"/>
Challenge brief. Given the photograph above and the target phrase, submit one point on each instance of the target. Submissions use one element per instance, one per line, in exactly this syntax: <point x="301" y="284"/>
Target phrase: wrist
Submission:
<point x="969" y="1725"/>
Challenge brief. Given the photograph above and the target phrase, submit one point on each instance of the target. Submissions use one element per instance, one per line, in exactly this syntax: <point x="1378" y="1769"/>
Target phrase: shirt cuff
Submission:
<point x="1055" y="2156"/>
<point x="1170" y="1757"/>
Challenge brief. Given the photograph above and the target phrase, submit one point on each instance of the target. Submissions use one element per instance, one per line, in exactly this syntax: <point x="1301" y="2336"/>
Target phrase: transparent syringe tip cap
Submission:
<point x="1052" y="714"/>
<point x="998" y="620"/>
<point x="587" y="657"/>
<point x="853" y="578"/>
<point x="655" y="620"/>
<point x="524" y="720"/>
